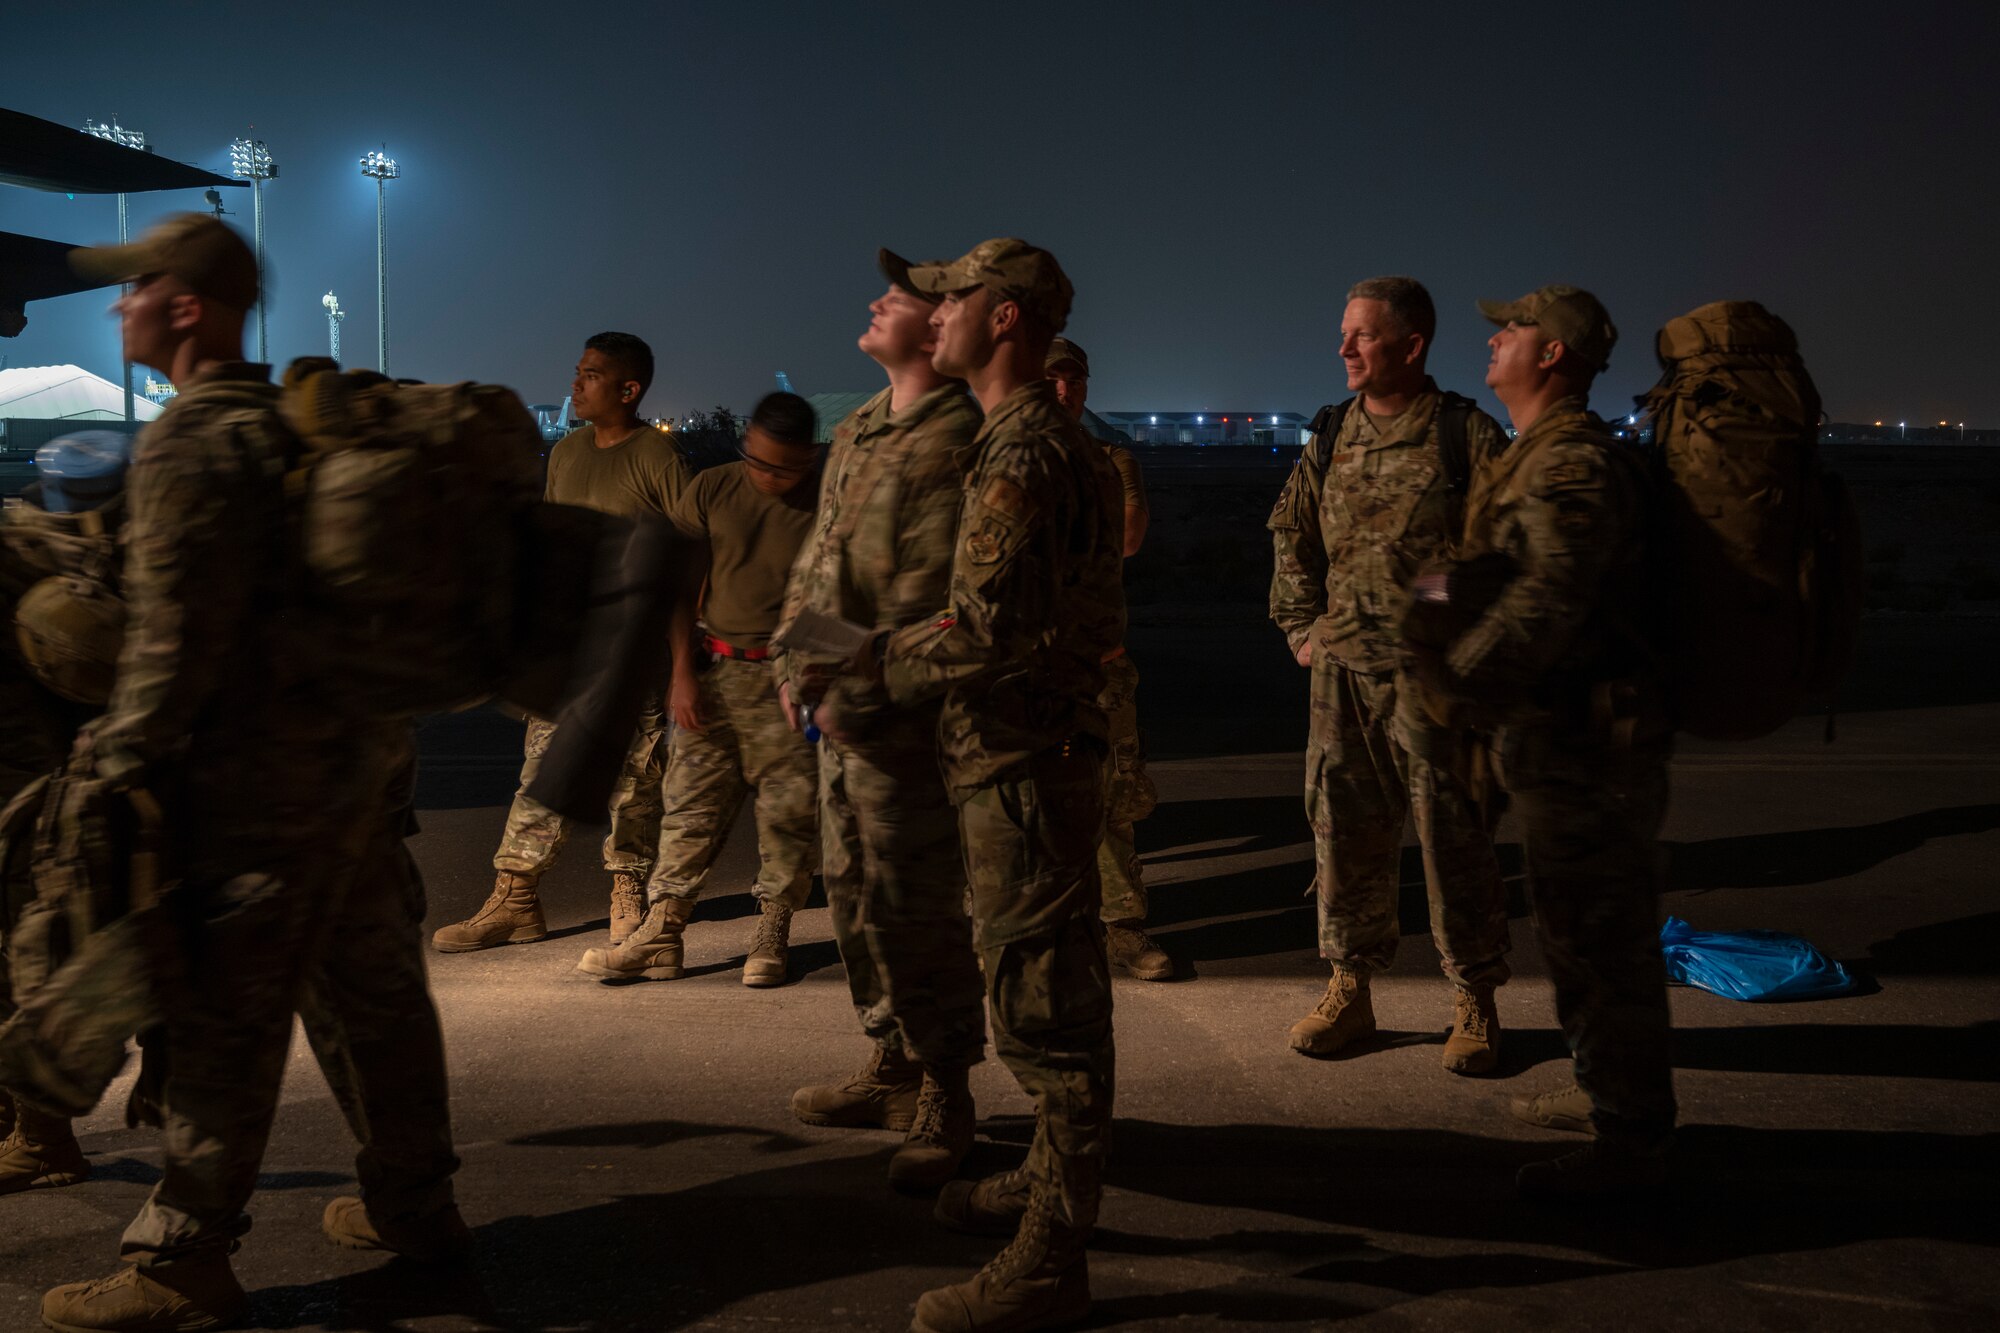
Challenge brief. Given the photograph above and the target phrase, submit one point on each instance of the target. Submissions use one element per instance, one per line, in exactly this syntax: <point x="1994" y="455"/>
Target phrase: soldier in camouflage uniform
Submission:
<point x="1037" y="602"/>
<point x="616" y="463"/>
<point x="273" y="789"/>
<point x="732" y="737"/>
<point x="1371" y="499"/>
<point x="1581" y="744"/>
<point x="880" y="556"/>
<point x="1128" y="792"/>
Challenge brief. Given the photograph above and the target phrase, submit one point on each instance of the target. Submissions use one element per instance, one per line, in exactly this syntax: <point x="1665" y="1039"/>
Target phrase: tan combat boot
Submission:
<point x="654" y="953"/>
<point x="198" y="1292"/>
<point x="770" y="952"/>
<point x="628" y="905"/>
<point x="512" y="914"/>
<point x="990" y="1207"/>
<point x="1041" y="1280"/>
<point x="437" y="1238"/>
<point x="882" y="1095"/>
<point x="1565" y="1108"/>
<point x="1474" y="1044"/>
<point x="940" y="1135"/>
<point x="1345" y="1013"/>
<point x="1599" y="1169"/>
<point x="1132" y="950"/>
<point x="40" y="1153"/>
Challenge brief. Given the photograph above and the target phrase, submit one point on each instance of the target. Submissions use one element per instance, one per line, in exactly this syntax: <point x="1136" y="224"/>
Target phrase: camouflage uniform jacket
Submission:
<point x="1037" y="596"/>
<point x="879" y="553"/>
<point x="218" y="704"/>
<point x="1563" y="510"/>
<point x="1354" y="524"/>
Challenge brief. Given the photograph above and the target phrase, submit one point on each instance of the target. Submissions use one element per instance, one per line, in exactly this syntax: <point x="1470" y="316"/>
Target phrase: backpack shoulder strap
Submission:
<point x="1324" y="426"/>
<point x="1454" y="441"/>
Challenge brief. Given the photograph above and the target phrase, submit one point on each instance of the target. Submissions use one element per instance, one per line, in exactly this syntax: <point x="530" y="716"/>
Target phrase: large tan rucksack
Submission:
<point x="1759" y="547"/>
<point x="59" y="578"/>
<point x="411" y="502"/>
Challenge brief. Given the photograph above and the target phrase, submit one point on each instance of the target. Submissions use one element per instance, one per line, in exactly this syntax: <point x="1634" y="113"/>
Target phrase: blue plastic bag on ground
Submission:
<point x="1750" y="964"/>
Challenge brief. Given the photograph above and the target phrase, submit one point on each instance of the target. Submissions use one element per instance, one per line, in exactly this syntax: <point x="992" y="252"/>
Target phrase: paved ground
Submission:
<point x="629" y="1163"/>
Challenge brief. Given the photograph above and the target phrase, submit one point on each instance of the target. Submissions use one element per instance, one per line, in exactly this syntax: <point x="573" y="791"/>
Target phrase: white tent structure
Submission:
<point x="66" y="393"/>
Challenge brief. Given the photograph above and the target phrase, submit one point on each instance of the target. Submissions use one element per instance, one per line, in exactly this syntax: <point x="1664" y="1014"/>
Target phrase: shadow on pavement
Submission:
<point x="1814" y="856"/>
<point x="1967" y="947"/>
<point x="668" y="1260"/>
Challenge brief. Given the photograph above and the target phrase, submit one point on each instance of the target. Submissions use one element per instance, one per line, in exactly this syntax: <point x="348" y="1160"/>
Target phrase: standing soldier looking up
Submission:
<point x="880" y="556"/>
<point x="616" y="463"/>
<point x="731" y="733"/>
<point x="1128" y="792"/>
<point x="1549" y="660"/>
<point x="1377" y="493"/>
<point x="1036" y="602"/>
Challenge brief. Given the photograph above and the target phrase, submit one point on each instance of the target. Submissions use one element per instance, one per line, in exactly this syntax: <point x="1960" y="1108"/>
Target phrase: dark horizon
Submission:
<point x="717" y="180"/>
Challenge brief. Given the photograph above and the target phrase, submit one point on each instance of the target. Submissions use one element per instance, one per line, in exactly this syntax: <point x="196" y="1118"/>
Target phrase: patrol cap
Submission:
<point x="1012" y="270"/>
<point x="1570" y="315"/>
<point x="1061" y="350"/>
<point x="198" y="249"/>
<point x="897" y="270"/>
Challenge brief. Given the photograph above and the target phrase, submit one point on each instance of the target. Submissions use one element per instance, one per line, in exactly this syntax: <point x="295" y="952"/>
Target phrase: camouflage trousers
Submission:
<point x="744" y="746"/>
<point x="1129" y="795"/>
<point x="535" y="833"/>
<point x="895" y="887"/>
<point x="1031" y="858"/>
<point x="1590" y="819"/>
<point x="1362" y="781"/>
<point x="327" y="928"/>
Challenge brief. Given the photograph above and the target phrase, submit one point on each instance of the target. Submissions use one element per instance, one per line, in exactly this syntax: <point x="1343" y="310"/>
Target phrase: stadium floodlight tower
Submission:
<point x="381" y="168"/>
<point x="250" y="160"/>
<point x="334" y="314"/>
<point x="118" y="134"/>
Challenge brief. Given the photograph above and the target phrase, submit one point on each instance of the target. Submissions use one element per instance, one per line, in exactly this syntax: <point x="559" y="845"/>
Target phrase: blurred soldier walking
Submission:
<point x="1128" y="793"/>
<point x="880" y="556"/>
<point x="616" y="463"/>
<point x="273" y="790"/>
<point x="1036" y="603"/>
<point x="732" y="736"/>
<point x="1379" y="491"/>
<point x="1581" y="744"/>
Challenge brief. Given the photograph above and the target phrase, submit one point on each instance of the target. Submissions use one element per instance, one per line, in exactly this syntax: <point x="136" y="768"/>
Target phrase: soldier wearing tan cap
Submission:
<point x="1128" y="792"/>
<point x="1543" y="658"/>
<point x="1036" y="602"/>
<point x="286" y="816"/>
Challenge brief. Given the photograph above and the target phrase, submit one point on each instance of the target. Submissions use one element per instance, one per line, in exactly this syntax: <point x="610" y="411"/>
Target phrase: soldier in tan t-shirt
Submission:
<point x="616" y="463"/>
<point x="731" y="736"/>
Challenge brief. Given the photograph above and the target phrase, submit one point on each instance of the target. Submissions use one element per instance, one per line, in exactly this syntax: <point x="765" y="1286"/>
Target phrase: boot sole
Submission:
<point x="1472" y="1066"/>
<point x="1147" y="974"/>
<point x="197" y="1326"/>
<point x="47" y="1180"/>
<point x="1064" y="1316"/>
<point x="643" y="974"/>
<point x="896" y="1121"/>
<point x="765" y="980"/>
<point x="1306" y="1045"/>
<point x="535" y="938"/>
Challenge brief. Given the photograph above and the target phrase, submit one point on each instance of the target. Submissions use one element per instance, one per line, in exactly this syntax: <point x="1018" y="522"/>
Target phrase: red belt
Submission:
<point x="721" y="649"/>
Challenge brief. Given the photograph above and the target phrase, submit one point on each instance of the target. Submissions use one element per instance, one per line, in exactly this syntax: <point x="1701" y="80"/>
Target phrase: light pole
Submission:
<point x="250" y="160"/>
<point x="382" y="168"/>
<point x="118" y="134"/>
<point x="334" y="314"/>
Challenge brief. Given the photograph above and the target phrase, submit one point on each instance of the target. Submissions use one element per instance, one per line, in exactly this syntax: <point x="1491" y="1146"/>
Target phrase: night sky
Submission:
<point x="717" y="177"/>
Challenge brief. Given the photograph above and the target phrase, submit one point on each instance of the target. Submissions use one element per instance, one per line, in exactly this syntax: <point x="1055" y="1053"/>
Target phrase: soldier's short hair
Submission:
<point x="1409" y="303"/>
<point x="786" y="418"/>
<point x="629" y="353"/>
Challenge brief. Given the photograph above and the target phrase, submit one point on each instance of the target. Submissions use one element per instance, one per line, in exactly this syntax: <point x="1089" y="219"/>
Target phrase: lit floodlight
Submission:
<point x="250" y="160"/>
<point x="380" y="166"/>
<point x="116" y="133"/>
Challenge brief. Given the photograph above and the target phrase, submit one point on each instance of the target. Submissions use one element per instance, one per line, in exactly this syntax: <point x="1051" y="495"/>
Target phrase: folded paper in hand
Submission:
<point x="822" y="635"/>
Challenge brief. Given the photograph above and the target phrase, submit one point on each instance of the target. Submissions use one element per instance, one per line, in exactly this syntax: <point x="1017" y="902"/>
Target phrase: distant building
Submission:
<point x="1204" y="428"/>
